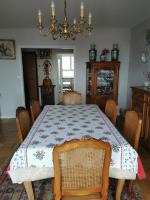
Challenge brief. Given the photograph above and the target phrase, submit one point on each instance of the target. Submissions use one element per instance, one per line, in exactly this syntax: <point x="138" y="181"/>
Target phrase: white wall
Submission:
<point x="11" y="82"/>
<point x="136" y="67"/>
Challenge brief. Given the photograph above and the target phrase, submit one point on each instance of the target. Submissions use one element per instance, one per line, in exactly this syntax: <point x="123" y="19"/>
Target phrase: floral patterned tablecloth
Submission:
<point x="58" y="123"/>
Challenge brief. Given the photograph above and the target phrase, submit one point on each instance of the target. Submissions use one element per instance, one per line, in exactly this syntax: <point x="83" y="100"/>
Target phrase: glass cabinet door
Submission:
<point x="89" y="81"/>
<point x="105" y="82"/>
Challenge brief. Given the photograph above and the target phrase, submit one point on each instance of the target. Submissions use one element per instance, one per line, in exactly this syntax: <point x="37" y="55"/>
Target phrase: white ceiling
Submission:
<point x="106" y="13"/>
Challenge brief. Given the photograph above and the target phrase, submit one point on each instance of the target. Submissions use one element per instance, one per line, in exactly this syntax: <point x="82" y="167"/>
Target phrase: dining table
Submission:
<point x="56" y="124"/>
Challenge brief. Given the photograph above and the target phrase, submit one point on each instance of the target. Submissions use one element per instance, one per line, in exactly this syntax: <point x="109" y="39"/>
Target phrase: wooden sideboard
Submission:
<point x="141" y="104"/>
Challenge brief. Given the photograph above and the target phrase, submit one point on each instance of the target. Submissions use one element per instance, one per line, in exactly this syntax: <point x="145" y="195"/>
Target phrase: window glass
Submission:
<point x="68" y="74"/>
<point x="66" y="62"/>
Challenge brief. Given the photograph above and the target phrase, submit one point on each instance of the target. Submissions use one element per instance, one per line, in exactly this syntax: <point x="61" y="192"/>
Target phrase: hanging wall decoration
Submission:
<point x="7" y="49"/>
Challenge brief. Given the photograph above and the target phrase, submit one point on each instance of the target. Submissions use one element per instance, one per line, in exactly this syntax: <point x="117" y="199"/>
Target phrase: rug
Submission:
<point x="43" y="190"/>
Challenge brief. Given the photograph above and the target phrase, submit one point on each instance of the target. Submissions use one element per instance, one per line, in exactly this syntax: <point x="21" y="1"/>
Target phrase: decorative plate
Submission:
<point x="144" y="57"/>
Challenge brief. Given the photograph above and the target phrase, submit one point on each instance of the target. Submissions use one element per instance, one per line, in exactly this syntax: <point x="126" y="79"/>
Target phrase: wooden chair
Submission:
<point x="111" y="110"/>
<point x="71" y="98"/>
<point x="23" y="124"/>
<point x="35" y="109"/>
<point x="81" y="169"/>
<point x="132" y="128"/>
<point x="132" y="131"/>
<point x="19" y="109"/>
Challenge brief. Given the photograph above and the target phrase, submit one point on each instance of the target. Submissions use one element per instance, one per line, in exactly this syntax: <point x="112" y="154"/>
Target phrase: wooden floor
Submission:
<point x="9" y="140"/>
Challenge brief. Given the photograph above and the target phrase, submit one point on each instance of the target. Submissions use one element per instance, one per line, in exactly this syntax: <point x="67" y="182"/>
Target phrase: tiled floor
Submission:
<point x="9" y="140"/>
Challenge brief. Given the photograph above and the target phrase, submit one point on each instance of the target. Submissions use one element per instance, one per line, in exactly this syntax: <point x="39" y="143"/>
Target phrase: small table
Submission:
<point x="58" y="123"/>
<point x="47" y="95"/>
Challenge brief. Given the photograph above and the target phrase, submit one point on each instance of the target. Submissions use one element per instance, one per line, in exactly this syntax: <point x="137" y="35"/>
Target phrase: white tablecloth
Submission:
<point x="58" y="123"/>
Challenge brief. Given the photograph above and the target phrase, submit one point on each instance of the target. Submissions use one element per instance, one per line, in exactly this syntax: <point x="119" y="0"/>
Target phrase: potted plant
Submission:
<point x="104" y="54"/>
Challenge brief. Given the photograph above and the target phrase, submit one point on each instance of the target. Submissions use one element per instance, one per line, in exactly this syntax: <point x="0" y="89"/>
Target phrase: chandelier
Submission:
<point x="64" y="30"/>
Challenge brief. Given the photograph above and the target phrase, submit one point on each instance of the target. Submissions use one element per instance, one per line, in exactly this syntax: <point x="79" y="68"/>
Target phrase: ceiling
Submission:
<point x="106" y="13"/>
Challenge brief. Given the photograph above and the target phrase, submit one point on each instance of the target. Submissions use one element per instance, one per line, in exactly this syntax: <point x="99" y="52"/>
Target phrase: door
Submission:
<point x="30" y="77"/>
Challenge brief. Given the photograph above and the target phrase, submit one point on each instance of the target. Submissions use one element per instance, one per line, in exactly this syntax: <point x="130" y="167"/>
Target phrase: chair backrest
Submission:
<point x="111" y="110"/>
<point x="132" y="128"/>
<point x="23" y="124"/>
<point x="19" y="109"/>
<point x="81" y="167"/>
<point x="71" y="98"/>
<point x="35" y="109"/>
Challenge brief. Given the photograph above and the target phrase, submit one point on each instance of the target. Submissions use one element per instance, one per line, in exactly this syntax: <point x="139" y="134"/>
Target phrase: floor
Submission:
<point x="9" y="141"/>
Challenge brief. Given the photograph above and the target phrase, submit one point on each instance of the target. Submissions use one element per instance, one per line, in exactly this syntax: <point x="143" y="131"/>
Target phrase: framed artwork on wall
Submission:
<point x="7" y="49"/>
<point x="44" y="53"/>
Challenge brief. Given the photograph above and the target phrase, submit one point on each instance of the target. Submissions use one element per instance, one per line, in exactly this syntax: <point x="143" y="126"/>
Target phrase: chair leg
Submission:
<point x="120" y="185"/>
<point x="29" y="190"/>
<point x="130" y="186"/>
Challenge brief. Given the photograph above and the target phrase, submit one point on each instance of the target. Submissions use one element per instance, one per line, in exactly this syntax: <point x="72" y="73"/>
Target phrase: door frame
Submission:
<point x="20" y="74"/>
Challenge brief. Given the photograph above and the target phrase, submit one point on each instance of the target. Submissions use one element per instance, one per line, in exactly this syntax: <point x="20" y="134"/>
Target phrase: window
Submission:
<point x="67" y="66"/>
<point x="66" y="72"/>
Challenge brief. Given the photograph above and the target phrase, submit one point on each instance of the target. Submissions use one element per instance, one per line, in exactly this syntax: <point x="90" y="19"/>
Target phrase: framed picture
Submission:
<point x="7" y="49"/>
<point x="44" y="53"/>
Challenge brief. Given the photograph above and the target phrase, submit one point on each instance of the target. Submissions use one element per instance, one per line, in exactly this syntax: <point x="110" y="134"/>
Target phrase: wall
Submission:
<point x="11" y="81"/>
<point x="136" y="67"/>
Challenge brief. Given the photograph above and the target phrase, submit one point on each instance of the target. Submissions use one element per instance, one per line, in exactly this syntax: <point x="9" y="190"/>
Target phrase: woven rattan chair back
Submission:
<point x="111" y="109"/>
<point x="23" y="124"/>
<point x="35" y="109"/>
<point x="71" y="98"/>
<point x="81" y="167"/>
<point x="132" y="128"/>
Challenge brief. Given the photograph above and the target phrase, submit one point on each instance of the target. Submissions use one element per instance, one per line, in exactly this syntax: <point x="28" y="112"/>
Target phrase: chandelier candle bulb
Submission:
<point x="53" y="8"/>
<point x="74" y="21"/>
<point x="82" y="10"/>
<point x="90" y="18"/>
<point x="40" y="17"/>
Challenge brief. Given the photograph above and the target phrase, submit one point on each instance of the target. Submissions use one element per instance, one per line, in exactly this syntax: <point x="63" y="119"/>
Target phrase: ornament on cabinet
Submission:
<point x="92" y="53"/>
<point x="115" y="53"/>
<point x="104" y="55"/>
<point x="147" y="79"/>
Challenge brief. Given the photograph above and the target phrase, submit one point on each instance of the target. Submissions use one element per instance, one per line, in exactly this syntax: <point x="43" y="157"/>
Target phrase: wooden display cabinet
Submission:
<point x="102" y="82"/>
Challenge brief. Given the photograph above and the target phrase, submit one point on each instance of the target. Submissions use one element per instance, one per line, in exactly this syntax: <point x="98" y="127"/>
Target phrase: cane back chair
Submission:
<point x="81" y="169"/>
<point x="71" y="98"/>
